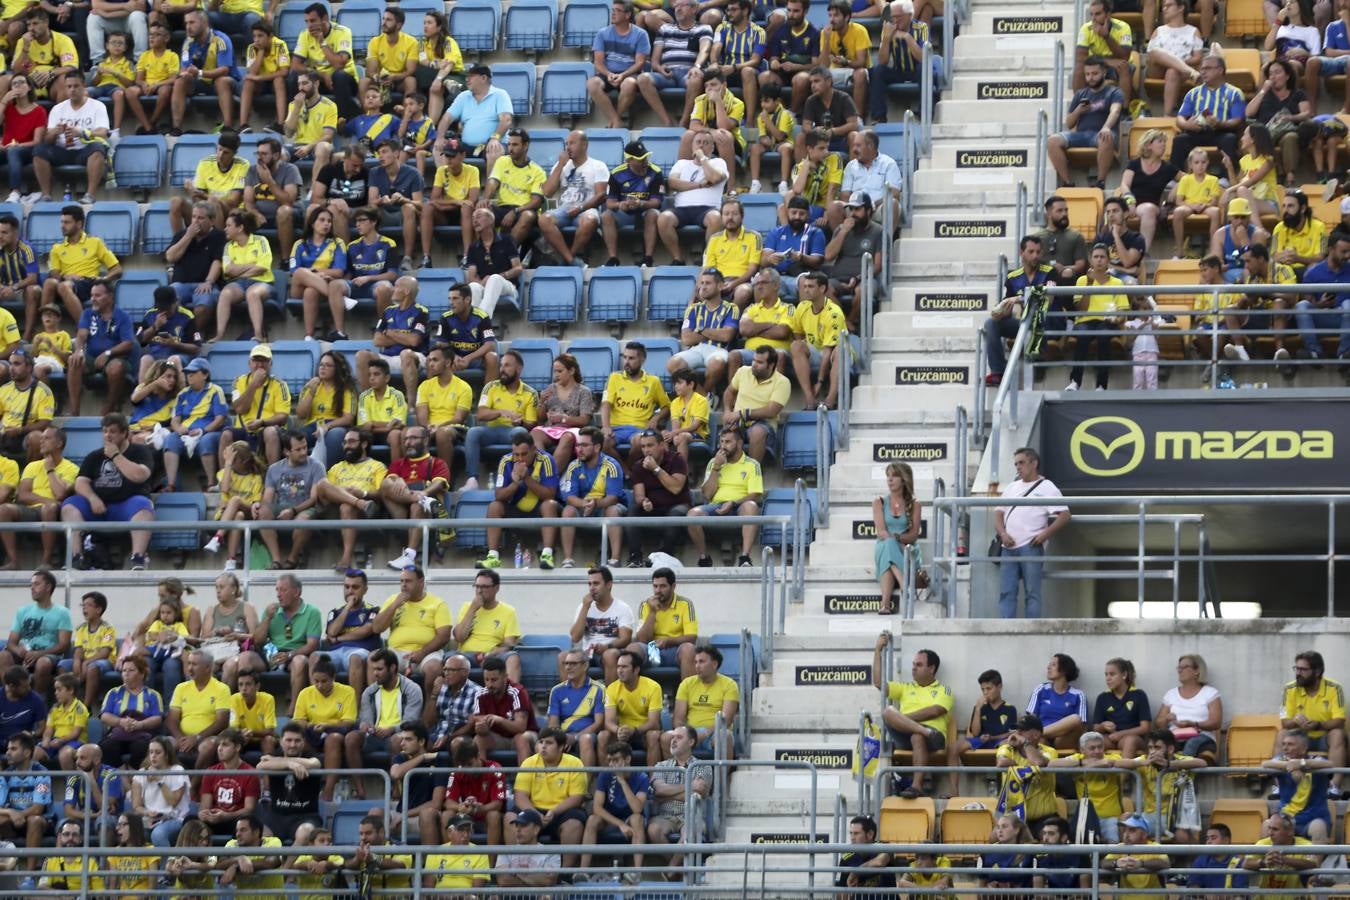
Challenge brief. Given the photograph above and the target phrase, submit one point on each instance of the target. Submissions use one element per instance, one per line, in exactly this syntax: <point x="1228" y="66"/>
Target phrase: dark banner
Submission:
<point x="1196" y="445"/>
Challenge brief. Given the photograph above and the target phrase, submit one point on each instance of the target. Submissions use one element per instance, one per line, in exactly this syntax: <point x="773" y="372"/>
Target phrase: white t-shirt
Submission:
<point x="1306" y="36"/>
<point x="172" y="779"/>
<point x="578" y="182"/>
<point x="1195" y="709"/>
<point x="1025" y="522"/>
<point x="1179" y="40"/>
<point x="91" y="115"/>
<point x="602" y="627"/>
<point x="688" y="170"/>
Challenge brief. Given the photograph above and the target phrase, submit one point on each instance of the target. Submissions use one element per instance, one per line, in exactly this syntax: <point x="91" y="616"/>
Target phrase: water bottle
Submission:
<point x="519" y="556"/>
<point x="528" y="560"/>
<point x="67" y="196"/>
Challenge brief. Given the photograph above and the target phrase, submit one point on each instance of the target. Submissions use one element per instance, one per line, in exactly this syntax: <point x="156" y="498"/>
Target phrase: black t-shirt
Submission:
<point x="840" y="111"/>
<point x="498" y="261"/>
<point x="1270" y="105"/>
<point x="656" y="492"/>
<point x="1149" y="188"/>
<point x="857" y="860"/>
<point x="195" y="264"/>
<point x="1132" y="240"/>
<point x="419" y="787"/>
<point x="342" y="186"/>
<point x="293" y="796"/>
<point x="109" y="484"/>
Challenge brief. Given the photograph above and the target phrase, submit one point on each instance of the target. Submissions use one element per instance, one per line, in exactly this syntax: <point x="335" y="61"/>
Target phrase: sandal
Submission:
<point x="275" y="565"/>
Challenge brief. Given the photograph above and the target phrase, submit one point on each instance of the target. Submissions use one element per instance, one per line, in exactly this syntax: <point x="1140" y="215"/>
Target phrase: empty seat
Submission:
<point x="606" y="145"/>
<point x="1251" y="739"/>
<point x="892" y="139"/>
<point x="664" y="145"/>
<point x="84" y="435"/>
<point x="472" y="505"/>
<point x="761" y="211"/>
<point x="295" y="362"/>
<point x="187" y="152"/>
<point x="156" y="232"/>
<point x="135" y="292"/>
<point x="475" y="24"/>
<point x="614" y="293"/>
<point x="967" y="820"/>
<point x="434" y="289"/>
<point x="178" y="506"/>
<point x="115" y="222"/>
<point x="517" y="79"/>
<point x="530" y="25"/>
<point x="139" y="162"/>
<point x="290" y="22"/>
<point x="538" y="354"/>
<point x="906" y="821"/>
<point x="546" y="145"/>
<point x="799" y="439"/>
<point x="555" y="294"/>
<point x="1085" y="209"/>
<point x="780" y="502"/>
<point x="581" y="20"/>
<point x="597" y="357"/>
<point x="562" y="90"/>
<point x="364" y="23"/>
<point x="42" y="228"/>
<point x="669" y="292"/>
<point x="1243" y="816"/>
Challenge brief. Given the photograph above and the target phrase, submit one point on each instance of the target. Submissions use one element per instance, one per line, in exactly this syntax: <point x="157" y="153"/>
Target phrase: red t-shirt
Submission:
<point x="420" y="472"/>
<point x="231" y="791"/>
<point x="485" y="787"/>
<point x="19" y="127"/>
<point x="512" y="699"/>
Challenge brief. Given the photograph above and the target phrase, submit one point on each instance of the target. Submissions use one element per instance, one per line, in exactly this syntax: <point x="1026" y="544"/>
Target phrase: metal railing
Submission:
<point x="926" y="93"/>
<point x="865" y="324"/>
<point x="937" y="574"/>
<point x="1035" y="210"/>
<point x="909" y="162"/>
<point x="945" y="557"/>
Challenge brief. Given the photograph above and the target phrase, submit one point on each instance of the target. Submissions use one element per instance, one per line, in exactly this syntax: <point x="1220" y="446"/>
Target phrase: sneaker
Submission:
<point x="406" y="265"/>
<point x="349" y="303"/>
<point x="426" y="261"/>
<point x="1236" y="352"/>
<point x="635" y="561"/>
<point x="646" y="262"/>
<point x="1071" y="386"/>
<point x="568" y="563"/>
<point x="755" y="186"/>
<point x="87" y="200"/>
<point x="1334" y="792"/>
<point x="14" y="197"/>
<point x="33" y="197"/>
<point x="782" y="187"/>
<point x="546" y="559"/>
<point x="231" y="565"/>
<point x="1330" y="190"/>
<point x="176" y="131"/>
<point x="743" y="562"/>
<point x="491" y="561"/>
<point x="470" y="484"/>
<point x="612" y="262"/>
<point x="406" y="559"/>
<point x="705" y="561"/>
<point x="213" y="545"/>
<point x="28" y="884"/>
<point x="1282" y="355"/>
<point x="140" y="562"/>
<point x="334" y="336"/>
<point x="993" y="379"/>
<point x="278" y="127"/>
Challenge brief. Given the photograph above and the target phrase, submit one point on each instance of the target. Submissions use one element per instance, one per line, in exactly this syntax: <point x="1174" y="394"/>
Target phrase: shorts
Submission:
<point x="501" y="212"/>
<point x="1318" y="744"/>
<point x="116" y="512"/>
<point x="51" y="362"/>
<point x="341" y="656"/>
<point x="188" y="296"/>
<point x="1078" y="139"/>
<point x="70" y="156"/>
<point x="391" y="216"/>
<point x="670" y="656"/>
<point x="1333" y="65"/>
<point x="564" y="221"/>
<point x="30" y="514"/>
<point x="552" y="828"/>
<point x="245" y="283"/>
<point x="268" y="209"/>
<point x="978" y="743"/>
<point x="679" y="78"/>
<point x="396" y="362"/>
<point x="711" y="509"/>
<point x="363" y="291"/>
<point x="935" y="739"/>
<point x="691" y="215"/>
<point x="701" y="355"/>
<point x="403" y="655"/>
<point x="815" y="355"/>
<point x="674" y="824"/>
<point x="81" y="287"/>
<point x="202" y="86"/>
<point x="624" y="434"/>
<point x="278" y="506"/>
<point x="842" y="78"/>
<point x="104" y="666"/>
<point x="598" y="513"/>
<point x="103" y="91"/>
<point x="706" y="745"/>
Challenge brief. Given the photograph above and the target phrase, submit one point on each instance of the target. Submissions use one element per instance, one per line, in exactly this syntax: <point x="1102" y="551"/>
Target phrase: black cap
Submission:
<point x="636" y="150"/>
<point x="453" y="146"/>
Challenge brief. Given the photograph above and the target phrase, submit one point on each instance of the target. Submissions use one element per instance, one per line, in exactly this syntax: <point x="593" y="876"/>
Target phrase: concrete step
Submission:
<point x="909" y="445"/>
<point x="935" y="323"/>
<point x="974" y="153"/>
<point x="935" y="297"/>
<point x="1039" y="46"/>
<point x="752" y="783"/>
<point x="836" y="679"/>
<point x="983" y="194"/>
<point x="964" y="106"/>
<point x="922" y="342"/>
<point x="958" y="229"/>
<point x="933" y="180"/>
<point x="890" y="396"/>
<point x="934" y="417"/>
<point x="784" y="876"/>
<point x="908" y="267"/>
<point x="1014" y="58"/>
<point x="826" y="721"/>
<point x="983" y="130"/>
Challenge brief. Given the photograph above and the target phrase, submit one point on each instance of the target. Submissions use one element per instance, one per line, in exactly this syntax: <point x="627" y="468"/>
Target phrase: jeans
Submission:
<point x="170" y="672"/>
<point x="16" y="159"/>
<point x="97" y="29"/>
<point x="1186" y="141"/>
<point x="881" y="78"/>
<point x="1309" y="318"/>
<point x="165" y="834"/>
<point x="995" y="330"/>
<point x="235" y="24"/>
<point x="1084" y="334"/>
<point x="331" y="449"/>
<point x="481" y="436"/>
<point x="1020" y="563"/>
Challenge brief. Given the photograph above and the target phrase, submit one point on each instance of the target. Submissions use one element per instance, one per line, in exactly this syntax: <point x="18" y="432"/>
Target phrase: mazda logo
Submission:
<point x="1115" y="445"/>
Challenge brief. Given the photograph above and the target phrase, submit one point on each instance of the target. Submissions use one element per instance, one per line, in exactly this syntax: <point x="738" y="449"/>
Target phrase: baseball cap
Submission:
<point x="262" y="351"/>
<point x="463" y="821"/>
<point x="199" y="365"/>
<point x="1239" y="206"/>
<point x="636" y="150"/>
<point x="529" y="817"/>
<point x="50" y="307"/>
<point x="1134" y="820"/>
<point x="860" y="199"/>
<point x="481" y="69"/>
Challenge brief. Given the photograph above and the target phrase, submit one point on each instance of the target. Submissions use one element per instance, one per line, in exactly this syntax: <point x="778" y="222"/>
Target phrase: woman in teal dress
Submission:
<point x="897" y="520"/>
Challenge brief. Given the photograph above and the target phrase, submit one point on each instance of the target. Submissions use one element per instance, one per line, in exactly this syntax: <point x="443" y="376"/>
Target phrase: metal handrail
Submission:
<point x="1036" y="205"/>
<point x="1058" y="88"/>
<point x="1020" y="213"/>
<point x="766" y="624"/>
<point x="865" y="323"/>
<point x="748" y="677"/>
<point x="1005" y="400"/>
<point x="939" y="584"/>
<point x="845" y="397"/>
<point x="926" y="94"/>
<point x="960" y="453"/>
<point x="908" y="163"/>
<point x="801" y="505"/>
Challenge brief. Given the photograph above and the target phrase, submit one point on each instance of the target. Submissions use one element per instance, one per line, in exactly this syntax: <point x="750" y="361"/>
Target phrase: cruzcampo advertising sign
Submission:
<point x="1190" y="445"/>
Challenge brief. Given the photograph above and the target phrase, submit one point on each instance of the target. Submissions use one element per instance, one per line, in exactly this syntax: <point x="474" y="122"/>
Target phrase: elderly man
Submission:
<point x="922" y="708"/>
<point x="576" y="708"/>
<point x="486" y="626"/>
<point x="591" y="487"/>
<point x="114" y="486"/>
<point x="402" y="336"/>
<point x="450" y="716"/>
<point x="484" y="114"/>
<point x="293" y="627"/>
<point x="418" y="624"/>
<point x="415" y="488"/>
<point x="1302" y="786"/>
<point x="899" y="56"/>
<point x="696" y="186"/>
<point x="584" y="184"/>
<point x="873" y="173"/>
<point x="1279" y="866"/>
<point x="1213" y="113"/>
<point x="199" y="710"/>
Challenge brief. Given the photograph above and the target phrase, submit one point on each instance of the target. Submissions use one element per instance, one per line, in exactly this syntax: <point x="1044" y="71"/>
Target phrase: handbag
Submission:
<point x="220" y="649"/>
<point x="995" y="544"/>
<point x="1185" y="806"/>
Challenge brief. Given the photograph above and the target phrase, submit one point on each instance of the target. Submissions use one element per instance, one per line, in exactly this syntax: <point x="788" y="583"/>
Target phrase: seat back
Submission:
<point x="472" y="505"/>
<point x="906" y="821"/>
<point x="761" y="211"/>
<point x="139" y="161"/>
<point x="606" y="145"/>
<point x="1251" y="738"/>
<point x="555" y="294"/>
<point x="563" y="89"/>
<point x="229" y="360"/>
<point x="475" y="24"/>
<point x="780" y="501"/>
<point x="84" y="435"/>
<point x="1085" y="209"/>
<point x="892" y="135"/>
<point x="517" y="79"/>
<point x="664" y="145"/>
<point x="1141" y="126"/>
<point x="967" y="820"/>
<point x="42" y="227"/>
<point x="659" y="352"/>
<point x="614" y="294"/>
<point x="799" y="439"/>
<point x="581" y="20"/>
<point x="530" y="25"/>
<point x="295" y="362"/>
<point x="546" y="145"/>
<point x="538" y="354"/>
<point x="1244" y="817"/>
<point x="363" y="22"/>
<point x="135" y="292"/>
<point x="189" y="150"/>
<point x="597" y="357"/>
<point x="156" y="232"/>
<point x="115" y="222"/>
<point x="669" y="292"/>
<point x="434" y="289"/>
<point x="178" y="507"/>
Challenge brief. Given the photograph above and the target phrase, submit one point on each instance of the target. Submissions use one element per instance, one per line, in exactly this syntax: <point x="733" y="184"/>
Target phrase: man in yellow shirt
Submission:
<point x="486" y="627"/>
<point x="45" y="56"/>
<point x="199" y="710"/>
<point x="1110" y="38"/>
<point x="27" y="407"/>
<point x="734" y="251"/>
<point x="720" y="113"/>
<point x="443" y="403"/>
<point x="553" y="792"/>
<point x="736" y="485"/>
<point x="515" y="188"/>
<point x="921" y="708"/>
<point x="767" y="321"/>
<point x="454" y="194"/>
<point x="1315" y="705"/>
<point x="391" y="58"/>
<point x="219" y="178"/>
<point x="327" y="711"/>
<point x="261" y="404"/>
<point x="1138" y="869"/>
<point x="311" y="120"/>
<point x="1028" y="787"/>
<point x="361" y="475"/>
<point x="669" y="621"/>
<point x="846" y="50"/>
<point x="701" y="697"/>
<point x="325" y="49"/>
<point x="249" y="874"/>
<point x="633" y="705"/>
<point x="75" y="263"/>
<point x="633" y="401"/>
<point x="507" y="407"/>
<point x="452" y="870"/>
<point x="418" y="624"/>
<point x="254" y="713"/>
<point x="818" y="326"/>
<point x="1280" y="867"/>
<point x="754" y="399"/>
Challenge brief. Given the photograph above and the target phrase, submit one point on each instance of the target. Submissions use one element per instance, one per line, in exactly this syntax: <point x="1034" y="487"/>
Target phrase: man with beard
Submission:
<point x="1315" y="705"/>
<point x="660" y="488"/>
<point x="791" y="51"/>
<point x="342" y="187"/>
<point x="1327" y="311"/>
<point x="526" y="487"/>
<point x="1006" y="317"/>
<point x="1094" y="113"/>
<point x="311" y="122"/>
<point x="1061" y="246"/>
<point x="856" y="235"/>
<point x="361" y="475"/>
<point x="794" y="247"/>
<point x="633" y="401"/>
<point x="678" y="53"/>
<point x="506" y="407"/>
<point x="414" y="488"/>
<point x="591" y="487"/>
<point x="1125" y="247"/>
<point x="708" y="329"/>
<point x="272" y="189"/>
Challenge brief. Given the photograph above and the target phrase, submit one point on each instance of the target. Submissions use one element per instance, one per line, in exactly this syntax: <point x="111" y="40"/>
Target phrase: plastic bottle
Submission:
<point x="67" y="196"/>
<point x="519" y="556"/>
<point x="528" y="558"/>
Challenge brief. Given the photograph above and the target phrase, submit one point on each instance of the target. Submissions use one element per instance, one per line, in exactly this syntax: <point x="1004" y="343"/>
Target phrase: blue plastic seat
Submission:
<point x="799" y="440"/>
<point x="517" y="79"/>
<point x="538" y="354"/>
<point x="139" y="162"/>
<point x="475" y="24"/>
<point x="229" y="360"/>
<point x="434" y="289"/>
<point x="364" y="22"/>
<point x="606" y="144"/>
<point x="581" y="20"/>
<point x="892" y="138"/>
<point x="539" y="664"/>
<point x="347" y="820"/>
<point x="778" y="502"/>
<point x="417" y="8"/>
<point x="614" y="294"/>
<point x="669" y="292"/>
<point x="348" y="350"/>
<point x="598" y="357"/>
<point x="156" y="232"/>
<point x="178" y="507"/>
<point x="473" y="505"/>
<point x="555" y="294"/>
<point x="290" y="21"/>
<point x="13" y="209"/>
<point x="530" y="25"/>
<point x="135" y="291"/>
<point x="115" y="221"/>
<point x="659" y="352"/>
<point x="42" y="228"/>
<point x="84" y="435"/>
<point x="664" y="145"/>
<point x="562" y="90"/>
<point x="187" y="152"/>
<point x="546" y="145"/>
<point x="295" y="362"/>
<point x="761" y="211"/>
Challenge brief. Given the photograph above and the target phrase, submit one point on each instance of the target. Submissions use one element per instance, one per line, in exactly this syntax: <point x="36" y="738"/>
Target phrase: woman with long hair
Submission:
<point x="246" y="269"/>
<point x="318" y="259"/>
<point x="327" y="406"/>
<point x="161" y="795"/>
<point x="25" y="128"/>
<point x="1004" y="866"/>
<point x="152" y="400"/>
<point x="1283" y="107"/>
<point x="566" y="404"/>
<point x="129" y="831"/>
<point x="231" y="620"/>
<point x="192" y="873"/>
<point x="896" y="517"/>
<point x="1122" y="713"/>
<point x="173" y="590"/>
<point x="1254" y="180"/>
<point x="440" y="65"/>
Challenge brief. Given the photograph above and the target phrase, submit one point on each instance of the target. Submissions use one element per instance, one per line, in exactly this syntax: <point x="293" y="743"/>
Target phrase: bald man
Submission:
<point x="583" y="182"/>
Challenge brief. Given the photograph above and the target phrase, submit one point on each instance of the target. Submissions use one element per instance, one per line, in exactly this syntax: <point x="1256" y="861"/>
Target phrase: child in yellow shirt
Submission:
<point x="67" y="725"/>
<point x="156" y="72"/>
<point x="325" y="871"/>
<point x="1197" y="193"/>
<point x="51" y="345"/>
<point x="112" y="77"/>
<point x="689" y="414"/>
<point x="241" y="485"/>
<point x="776" y="124"/>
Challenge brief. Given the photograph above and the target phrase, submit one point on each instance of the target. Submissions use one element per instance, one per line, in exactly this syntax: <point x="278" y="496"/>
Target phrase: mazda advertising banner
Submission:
<point x="1194" y="445"/>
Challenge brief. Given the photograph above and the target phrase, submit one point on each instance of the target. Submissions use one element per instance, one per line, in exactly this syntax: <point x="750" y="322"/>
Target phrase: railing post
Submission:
<point x="1331" y="558"/>
<point x="1143" y="506"/>
<point x="1057" y="93"/>
<point x="926" y="92"/>
<point x="845" y="400"/>
<point x="939" y="573"/>
<point x="909" y="145"/>
<point x="766" y="630"/>
<point x="868" y="310"/>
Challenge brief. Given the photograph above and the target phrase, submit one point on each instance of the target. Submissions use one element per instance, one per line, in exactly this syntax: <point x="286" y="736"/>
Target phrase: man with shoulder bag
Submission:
<point x="1022" y="533"/>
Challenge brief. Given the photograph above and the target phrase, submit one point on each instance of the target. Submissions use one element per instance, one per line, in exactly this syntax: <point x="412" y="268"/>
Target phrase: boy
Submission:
<point x="382" y="410"/>
<point x="990" y="724"/>
<point x="817" y="177"/>
<point x="775" y="123"/>
<point x="934" y="881"/>
<point x="415" y="132"/>
<point x="325" y="870"/>
<point x="51" y="345"/>
<point x="268" y="59"/>
<point x="618" y="803"/>
<point x="254" y="713"/>
<point x="95" y="643"/>
<point x="689" y="416"/>
<point x="1055" y="831"/>
<point x="67" y="725"/>
<point x="156" y="73"/>
<point x="372" y="126"/>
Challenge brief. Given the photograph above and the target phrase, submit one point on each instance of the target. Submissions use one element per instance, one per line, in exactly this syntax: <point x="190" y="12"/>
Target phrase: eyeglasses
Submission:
<point x="1302" y="668"/>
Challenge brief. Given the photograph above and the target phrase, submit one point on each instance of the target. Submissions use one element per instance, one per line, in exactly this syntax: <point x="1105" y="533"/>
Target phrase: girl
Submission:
<point x="689" y="414"/>
<point x="567" y="404"/>
<point x="896" y="517"/>
<point x="318" y="259"/>
<point x="1122" y="710"/>
<point x="232" y="620"/>
<point x="25" y="129"/>
<point x="165" y="640"/>
<point x="199" y="417"/>
<point x="172" y="590"/>
<point x="112" y="77"/>
<point x="328" y="406"/>
<point x="1257" y="182"/>
<point x="152" y="404"/>
<point x="440" y="65"/>
<point x="192" y="873"/>
<point x="1004" y="866"/>
<point x="1196" y="194"/>
<point x="241" y="484"/>
<point x="1092" y="328"/>
<point x="160" y="795"/>
<point x="1294" y="35"/>
<point x="1144" y="346"/>
<point x="129" y="831"/>
<point x="246" y="267"/>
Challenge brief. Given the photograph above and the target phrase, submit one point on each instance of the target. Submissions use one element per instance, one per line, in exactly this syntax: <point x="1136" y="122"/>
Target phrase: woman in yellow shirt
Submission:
<point x="130" y="832"/>
<point x="247" y="268"/>
<point x="1092" y="328"/>
<point x="1257" y="182"/>
<point x="440" y="65"/>
<point x="1196" y="194"/>
<point x="327" y="406"/>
